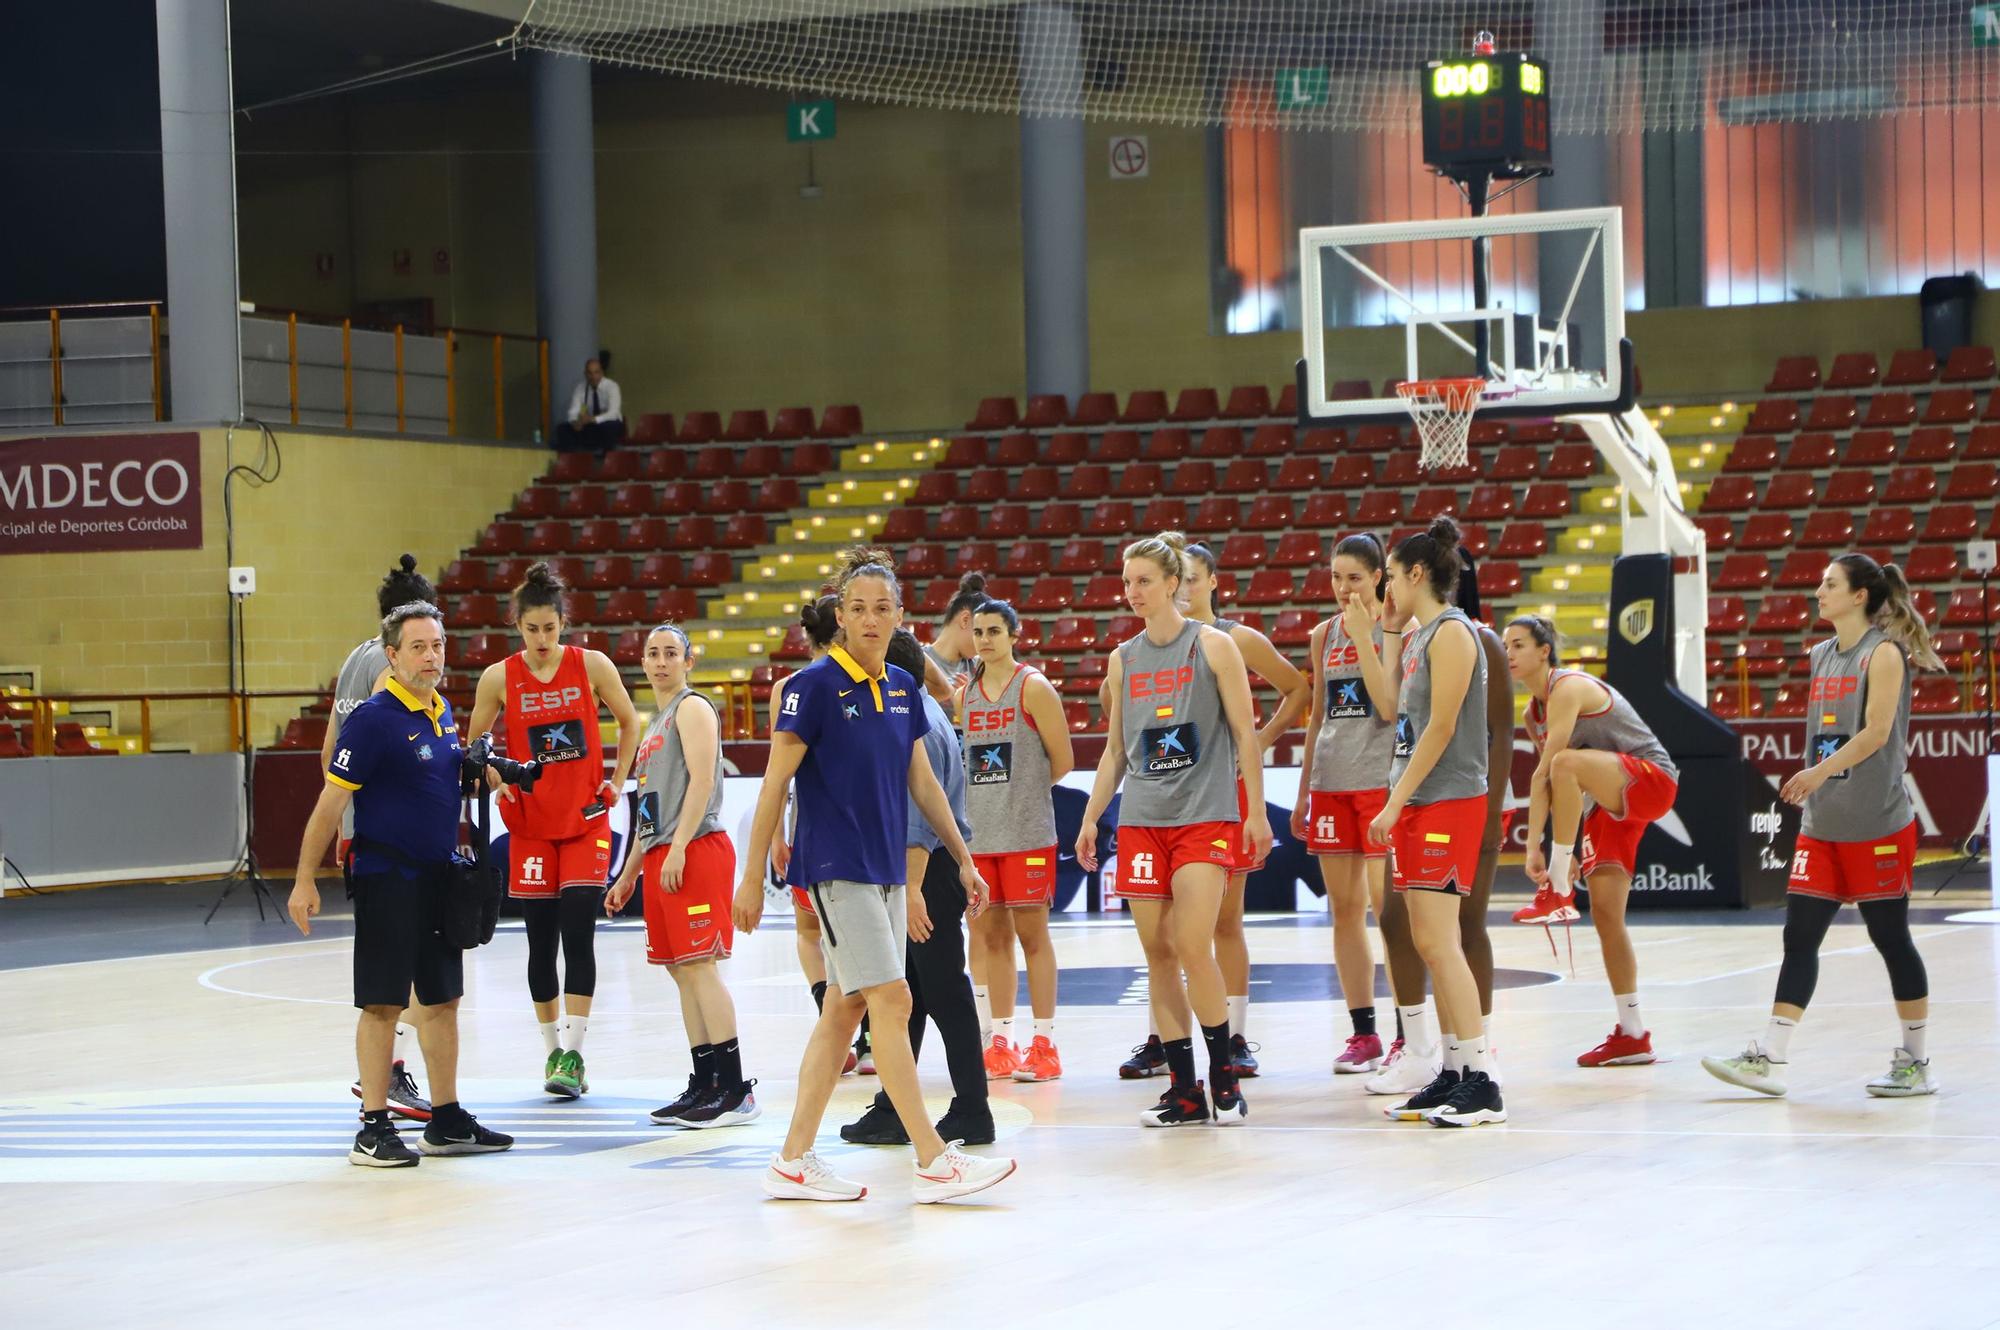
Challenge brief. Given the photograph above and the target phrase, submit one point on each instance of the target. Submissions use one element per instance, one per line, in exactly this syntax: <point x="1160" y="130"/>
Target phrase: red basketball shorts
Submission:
<point x="1437" y="845"/>
<point x="1337" y="821"/>
<point x="540" y="869"/>
<point x="1148" y="857"/>
<point x="1649" y="796"/>
<point x="693" y="923"/>
<point x="1027" y="877"/>
<point x="1855" y="870"/>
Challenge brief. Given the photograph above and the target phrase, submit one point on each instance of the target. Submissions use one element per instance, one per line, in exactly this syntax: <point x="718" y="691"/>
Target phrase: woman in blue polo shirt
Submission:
<point x="851" y="732"/>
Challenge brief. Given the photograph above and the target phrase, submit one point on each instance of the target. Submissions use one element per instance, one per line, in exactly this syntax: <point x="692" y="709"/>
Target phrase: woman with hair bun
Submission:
<point x="1178" y="736"/>
<point x="1858" y="835"/>
<point x="951" y="649"/>
<point x="1436" y="813"/>
<point x="559" y="833"/>
<point x="1594" y="755"/>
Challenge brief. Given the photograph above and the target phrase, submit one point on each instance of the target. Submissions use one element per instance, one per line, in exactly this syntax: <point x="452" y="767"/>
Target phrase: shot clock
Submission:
<point x="1487" y="113"/>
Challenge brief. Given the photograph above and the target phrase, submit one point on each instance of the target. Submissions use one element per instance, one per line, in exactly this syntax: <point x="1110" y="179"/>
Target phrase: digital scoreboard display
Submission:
<point x="1488" y="111"/>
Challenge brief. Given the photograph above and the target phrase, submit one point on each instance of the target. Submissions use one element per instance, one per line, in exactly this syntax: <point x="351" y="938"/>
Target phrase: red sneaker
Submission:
<point x="1619" y="1050"/>
<point x="1002" y="1060"/>
<point x="1548" y="908"/>
<point x="1362" y="1054"/>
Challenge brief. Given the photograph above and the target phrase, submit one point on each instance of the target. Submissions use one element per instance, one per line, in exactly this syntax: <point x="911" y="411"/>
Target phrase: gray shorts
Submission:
<point x="863" y="928"/>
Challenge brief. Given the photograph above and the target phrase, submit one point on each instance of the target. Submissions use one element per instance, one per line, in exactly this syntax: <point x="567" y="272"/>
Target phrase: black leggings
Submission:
<point x="1806" y="920"/>
<point x="940" y="990"/>
<point x="571" y="919"/>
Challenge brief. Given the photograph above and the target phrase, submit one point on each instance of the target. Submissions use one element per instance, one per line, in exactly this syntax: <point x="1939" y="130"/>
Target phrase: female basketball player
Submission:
<point x="852" y="732"/>
<point x="822" y="625"/>
<point x="1590" y="744"/>
<point x="1016" y="748"/>
<point x="559" y="834"/>
<point x="1858" y="837"/>
<point x="1182" y="719"/>
<point x="1262" y="659"/>
<point x="1343" y="784"/>
<point x="1436" y="812"/>
<point x="952" y="649"/>
<point x="690" y="870"/>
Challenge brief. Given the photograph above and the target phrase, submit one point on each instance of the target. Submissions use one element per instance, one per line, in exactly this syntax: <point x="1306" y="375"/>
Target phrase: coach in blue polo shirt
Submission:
<point x="851" y="732"/>
<point x="397" y="760"/>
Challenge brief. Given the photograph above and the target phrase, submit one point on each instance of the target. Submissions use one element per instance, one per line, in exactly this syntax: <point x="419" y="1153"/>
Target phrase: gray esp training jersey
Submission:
<point x="1460" y="772"/>
<point x="1180" y="757"/>
<point x="957" y="672"/>
<point x="663" y="778"/>
<point x="1613" y="728"/>
<point x="1868" y="800"/>
<point x="358" y="673"/>
<point x="1356" y="744"/>
<point x="1006" y="771"/>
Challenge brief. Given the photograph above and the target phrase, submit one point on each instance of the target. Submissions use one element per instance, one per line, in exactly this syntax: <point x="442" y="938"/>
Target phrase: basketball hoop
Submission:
<point x="1443" y="410"/>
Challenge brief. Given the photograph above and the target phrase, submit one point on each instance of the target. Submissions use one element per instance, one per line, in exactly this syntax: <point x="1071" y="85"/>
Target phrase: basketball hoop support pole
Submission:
<point x="1478" y="192"/>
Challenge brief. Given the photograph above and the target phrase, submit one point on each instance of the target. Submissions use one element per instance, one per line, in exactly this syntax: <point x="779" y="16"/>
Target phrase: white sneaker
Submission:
<point x="1753" y="1069"/>
<point x="955" y="1173"/>
<point x="1905" y="1079"/>
<point x="807" y="1178"/>
<point x="1407" y="1071"/>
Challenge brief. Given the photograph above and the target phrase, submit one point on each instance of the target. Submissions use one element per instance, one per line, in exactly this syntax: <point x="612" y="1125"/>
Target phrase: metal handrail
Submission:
<point x="42" y="706"/>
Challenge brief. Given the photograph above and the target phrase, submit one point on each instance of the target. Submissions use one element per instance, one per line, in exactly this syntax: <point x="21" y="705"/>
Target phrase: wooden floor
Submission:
<point x="173" y="1130"/>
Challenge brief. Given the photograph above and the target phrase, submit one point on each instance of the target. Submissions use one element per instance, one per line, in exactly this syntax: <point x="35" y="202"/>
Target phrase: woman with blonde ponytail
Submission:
<point x="1858" y="836"/>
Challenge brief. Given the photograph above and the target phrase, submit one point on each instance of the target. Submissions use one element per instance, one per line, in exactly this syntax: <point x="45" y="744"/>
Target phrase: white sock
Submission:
<point x="1419" y="1031"/>
<point x="406" y="1042"/>
<point x="1913" y="1038"/>
<point x="1239" y="1013"/>
<point x="1470" y="1054"/>
<point x="1629" y="1019"/>
<point x="1486" y="1029"/>
<point x="551" y="1036"/>
<point x="984" y="1004"/>
<point x="1003" y="1030"/>
<point x="1560" y="858"/>
<point x="574" y="1028"/>
<point x="1452" y="1054"/>
<point x="1046" y="1029"/>
<point x="1777" y="1041"/>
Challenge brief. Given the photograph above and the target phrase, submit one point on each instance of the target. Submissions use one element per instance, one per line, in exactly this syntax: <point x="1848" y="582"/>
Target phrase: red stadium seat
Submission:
<point x="1516" y="461"/>
<point x="1268" y="586"/>
<point x="644" y="535"/>
<point x="537" y="501"/>
<point x="1102" y="592"/>
<point x="1216" y="516"/>
<point x="1915" y="366"/>
<point x="1888" y="526"/>
<point x="1950" y="522"/>
<point x="791" y="424"/>
<point x="597" y="535"/>
<point x="477" y="651"/>
<point x="1546" y="500"/>
<point x="568" y="469"/>
<point x="1854" y="369"/>
<point x="1743" y="572"/>
<point x="1930" y="445"/>
<point x="1499" y="577"/>
<point x="1570" y="461"/>
<point x="1719" y="531"/>
<point x="956" y="521"/>
<point x="1972" y="480"/>
<point x="1026" y="558"/>
<point x="1091" y="480"/>
<point x="1801" y="569"/>
<point x="1933" y="696"/>
<point x="1324" y="512"/>
<point x="840" y="421"/>
<point x="1350" y="472"/>
<point x="1317" y="588"/>
<point x="1832" y="412"/>
<point x="711" y="568"/>
<point x="1773" y="415"/>
<point x="699" y="427"/>
<point x="809" y="459"/>
<point x="1319" y="442"/>
<point x="714" y="464"/>
<point x="905" y="524"/>
<point x="548" y="538"/>
<point x="1298" y="549"/>
<point x="1766" y="531"/>
<point x="1984" y="445"/>
<point x="935" y="488"/>
<point x="1036" y="483"/>
<point x="1113" y="518"/>
<point x="1932" y="563"/>
<point x="986" y="485"/>
<point x="1047" y="595"/>
<point x="665" y="464"/>
<point x="1193" y="477"/>
<point x="478" y="609"/>
<point x="1016" y="450"/>
<point x="1376" y="439"/>
<point x="610" y="572"/>
<point x="1490" y="502"/>
<point x="1871" y="447"/>
<point x="746" y="427"/>
<point x="921" y="560"/>
<point x="1144" y="407"/>
<point x="1890" y="410"/>
<point x="1379" y="508"/>
<point x="1827" y="530"/>
<point x="1248" y="403"/>
<point x="1165" y="515"/>
<point x="463" y="575"/>
<point x="1196" y="404"/>
<point x="1122" y="628"/>
<point x="1094" y="409"/>
<point x="1073" y="633"/>
<point x="1849" y="489"/>
<point x="1116" y="445"/>
<point x="745" y="531"/>
<point x="1046" y="411"/>
<point x="1968" y="364"/>
<point x="777" y="494"/>
<point x="1141" y="480"/>
<point x="628" y="606"/>
<point x="1789" y="492"/>
<point x="1783" y="613"/>
<point x="1167" y="445"/>
<point x="1081" y="556"/>
<point x="1794" y="374"/>
<point x="1951" y="406"/>
<point x="696" y="532"/>
<point x="1271" y="441"/>
<point x="1752" y="452"/>
<point x="1790" y="703"/>
<point x="1400" y="469"/>
<point x="1812" y="451"/>
<point x="637" y="499"/>
<point x="1910" y="484"/>
<point x="676" y="605"/>
<point x="1067" y="449"/>
<point x="1968" y="609"/>
<point x="1246" y="475"/>
<point x="1432" y="503"/>
<point x="1726" y="614"/>
<point x="1272" y="512"/>
<point x="1058" y="521"/>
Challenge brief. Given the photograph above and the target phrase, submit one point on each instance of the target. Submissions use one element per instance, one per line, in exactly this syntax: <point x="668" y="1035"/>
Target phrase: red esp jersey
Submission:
<point x="554" y="725"/>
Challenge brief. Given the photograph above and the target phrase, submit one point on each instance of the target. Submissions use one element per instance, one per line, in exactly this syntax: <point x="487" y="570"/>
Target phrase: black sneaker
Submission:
<point x="1473" y="1101"/>
<point x="966" y="1126"/>
<point x="377" y="1145"/>
<point x="1148" y="1059"/>
<point x="669" y="1115"/>
<point x="405" y="1100"/>
<point x="462" y="1135"/>
<point x="721" y="1107"/>
<point x="1178" y="1107"/>
<point x="1423" y="1101"/>
<point x="878" y="1126"/>
<point x="1242" y="1056"/>
<point x="1230" y="1109"/>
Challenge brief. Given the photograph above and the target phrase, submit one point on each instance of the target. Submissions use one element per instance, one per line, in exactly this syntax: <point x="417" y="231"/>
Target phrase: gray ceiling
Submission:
<point x="282" y="47"/>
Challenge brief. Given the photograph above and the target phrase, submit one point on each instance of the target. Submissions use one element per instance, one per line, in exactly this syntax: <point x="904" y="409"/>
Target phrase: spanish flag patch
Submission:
<point x="1037" y="861"/>
<point x="1219" y="843"/>
<point x="1437" y="838"/>
<point x="1161" y="713"/>
<point x="1884" y="851"/>
<point x="1829" y="719"/>
<point x="604" y="845"/>
<point x="698" y="909"/>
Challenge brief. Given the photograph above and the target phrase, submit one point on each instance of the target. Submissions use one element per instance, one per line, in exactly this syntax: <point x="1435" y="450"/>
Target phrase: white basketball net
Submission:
<point x="1443" y="410"/>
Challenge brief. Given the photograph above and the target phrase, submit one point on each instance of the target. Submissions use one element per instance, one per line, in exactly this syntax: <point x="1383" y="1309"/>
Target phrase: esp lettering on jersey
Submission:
<point x="988" y="720"/>
<point x="534" y="701"/>
<point x="1160" y="685"/>
<point x="991" y="763"/>
<point x="1832" y="688"/>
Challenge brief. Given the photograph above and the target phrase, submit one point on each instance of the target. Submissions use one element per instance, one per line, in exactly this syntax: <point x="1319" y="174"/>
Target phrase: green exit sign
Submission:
<point x="1300" y="87"/>
<point x="809" y="122"/>
<point x="1986" y="25"/>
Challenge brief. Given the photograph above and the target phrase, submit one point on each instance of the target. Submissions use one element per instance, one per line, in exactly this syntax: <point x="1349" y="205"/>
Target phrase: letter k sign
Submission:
<point x="809" y="122"/>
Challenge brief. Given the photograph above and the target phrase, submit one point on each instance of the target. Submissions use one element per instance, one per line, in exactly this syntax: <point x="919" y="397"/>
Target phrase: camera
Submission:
<point x="479" y="757"/>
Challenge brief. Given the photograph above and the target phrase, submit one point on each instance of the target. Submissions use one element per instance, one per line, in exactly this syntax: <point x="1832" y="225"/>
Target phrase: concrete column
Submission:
<point x="565" y="218"/>
<point x="198" y="172"/>
<point x="1056" y="293"/>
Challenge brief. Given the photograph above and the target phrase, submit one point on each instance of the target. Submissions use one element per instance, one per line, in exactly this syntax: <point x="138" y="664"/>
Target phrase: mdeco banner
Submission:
<point x="107" y="492"/>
